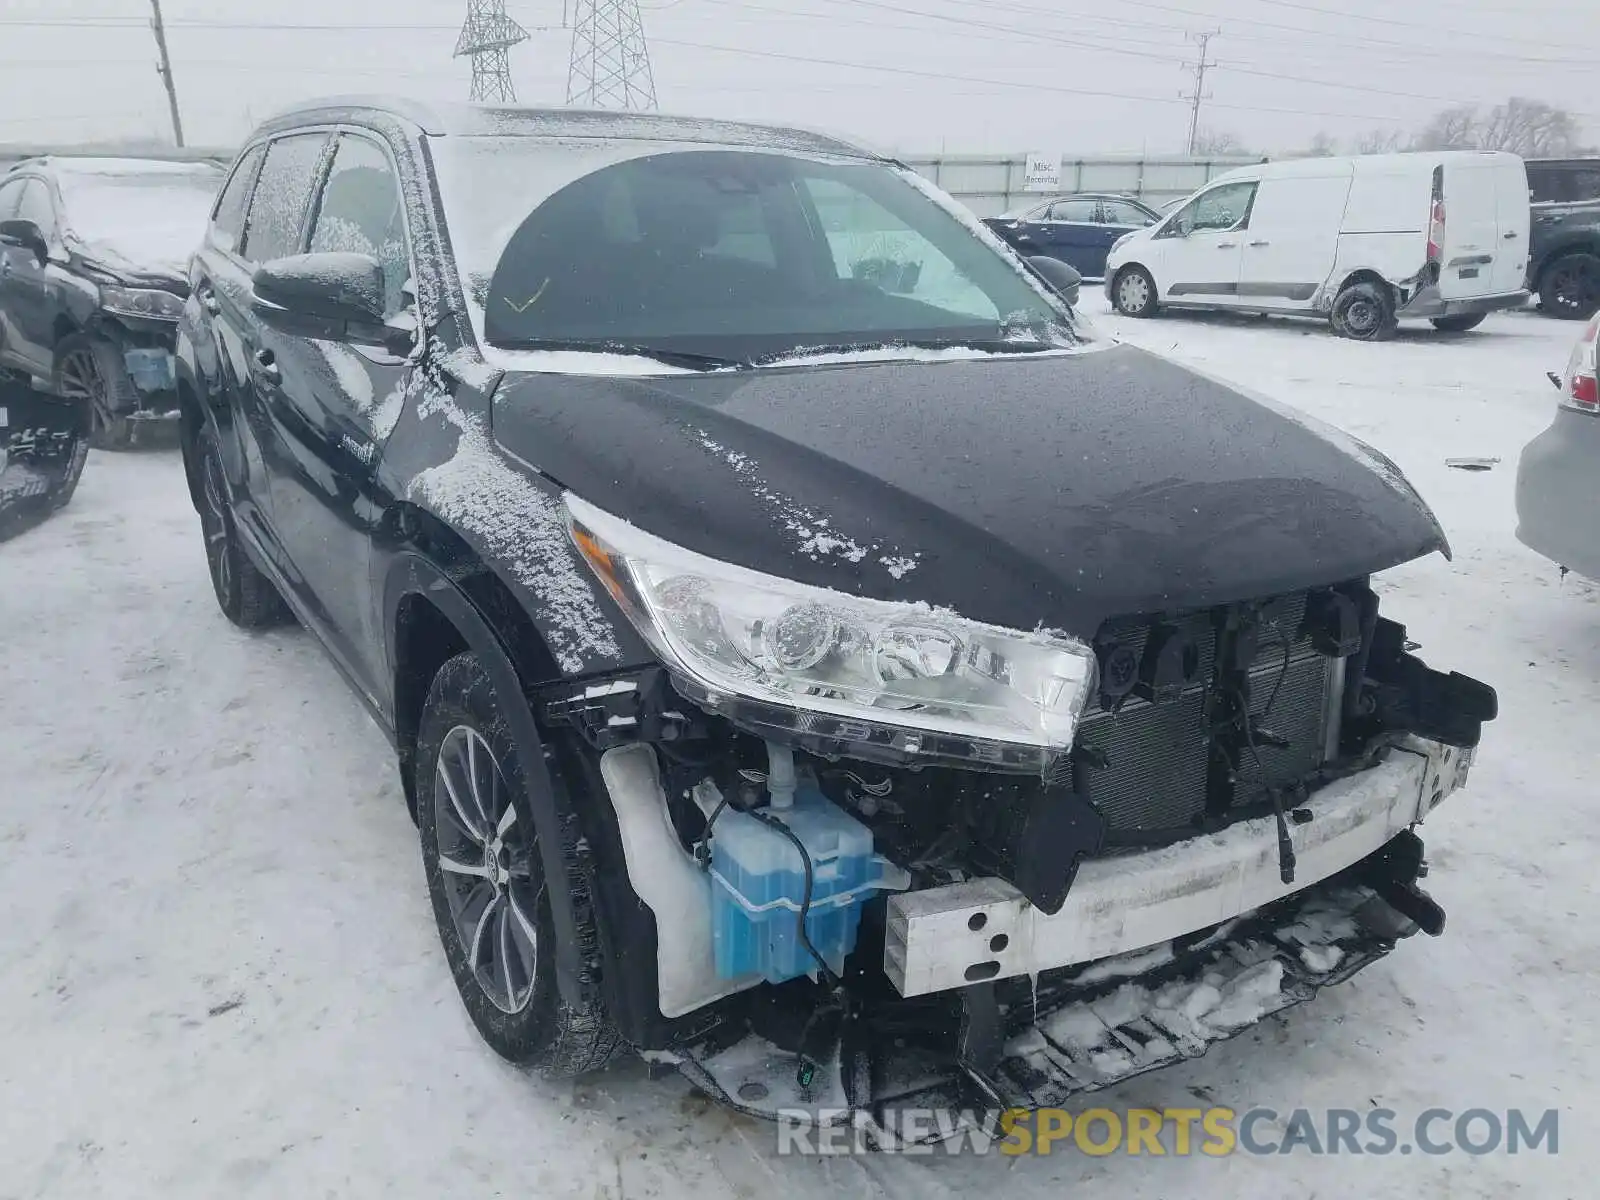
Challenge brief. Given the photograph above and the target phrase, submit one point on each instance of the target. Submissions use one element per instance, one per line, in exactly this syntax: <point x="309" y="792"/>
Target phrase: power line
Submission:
<point x="1024" y="85"/>
<point x="1201" y="65"/>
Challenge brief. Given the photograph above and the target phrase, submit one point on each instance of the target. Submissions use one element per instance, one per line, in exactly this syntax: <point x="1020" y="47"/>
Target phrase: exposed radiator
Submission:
<point x="1156" y="755"/>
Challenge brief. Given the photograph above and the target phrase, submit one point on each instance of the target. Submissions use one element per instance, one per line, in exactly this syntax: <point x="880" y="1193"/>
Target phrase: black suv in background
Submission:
<point x="1564" y="245"/>
<point x="94" y="254"/>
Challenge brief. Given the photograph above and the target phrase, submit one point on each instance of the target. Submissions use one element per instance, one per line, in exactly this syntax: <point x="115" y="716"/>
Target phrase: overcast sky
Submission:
<point x="1075" y="76"/>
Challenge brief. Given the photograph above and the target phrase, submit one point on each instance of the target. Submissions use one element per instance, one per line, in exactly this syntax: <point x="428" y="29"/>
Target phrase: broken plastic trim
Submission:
<point x="993" y="1047"/>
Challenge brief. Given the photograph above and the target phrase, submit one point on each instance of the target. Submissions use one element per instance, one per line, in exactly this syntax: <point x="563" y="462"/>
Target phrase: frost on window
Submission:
<point x="282" y="196"/>
<point x="361" y="212"/>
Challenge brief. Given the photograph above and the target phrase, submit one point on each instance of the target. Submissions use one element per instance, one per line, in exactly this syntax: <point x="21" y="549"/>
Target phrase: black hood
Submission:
<point x="113" y="268"/>
<point x="1024" y="491"/>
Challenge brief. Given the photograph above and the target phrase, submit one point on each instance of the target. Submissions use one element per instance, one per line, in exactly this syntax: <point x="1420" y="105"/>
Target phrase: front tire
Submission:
<point x="1133" y="293"/>
<point x="246" y="596"/>
<point x="90" y="372"/>
<point x="1570" y="287"/>
<point x="1364" y="312"/>
<point x="486" y="878"/>
<point x="1462" y="323"/>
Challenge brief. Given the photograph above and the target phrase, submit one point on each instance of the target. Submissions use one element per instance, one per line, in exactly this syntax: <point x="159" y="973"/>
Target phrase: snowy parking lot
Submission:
<point x="219" y="973"/>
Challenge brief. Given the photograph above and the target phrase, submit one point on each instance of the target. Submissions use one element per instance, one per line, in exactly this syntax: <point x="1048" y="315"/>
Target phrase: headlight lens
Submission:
<point x="997" y="695"/>
<point x="1123" y="240"/>
<point x="141" y="302"/>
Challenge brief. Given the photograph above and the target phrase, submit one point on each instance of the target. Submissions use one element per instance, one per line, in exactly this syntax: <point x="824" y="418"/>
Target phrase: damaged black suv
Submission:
<point x="813" y="655"/>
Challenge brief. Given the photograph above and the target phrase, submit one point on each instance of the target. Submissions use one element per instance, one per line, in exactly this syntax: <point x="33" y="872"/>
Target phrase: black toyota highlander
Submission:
<point x="814" y="657"/>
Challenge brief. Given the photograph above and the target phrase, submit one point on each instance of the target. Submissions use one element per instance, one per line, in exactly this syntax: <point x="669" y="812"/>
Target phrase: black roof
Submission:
<point x="479" y="120"/>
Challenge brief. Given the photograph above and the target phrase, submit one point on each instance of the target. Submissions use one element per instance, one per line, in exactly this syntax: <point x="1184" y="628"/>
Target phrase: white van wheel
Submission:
<point x="1134" y="294"/>
<point x="1365" y="312"/>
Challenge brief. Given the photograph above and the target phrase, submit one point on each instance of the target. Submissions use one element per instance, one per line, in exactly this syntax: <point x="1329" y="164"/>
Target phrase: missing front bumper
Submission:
<point x="984" y="929"/>
<point x="1031" y="1044"/>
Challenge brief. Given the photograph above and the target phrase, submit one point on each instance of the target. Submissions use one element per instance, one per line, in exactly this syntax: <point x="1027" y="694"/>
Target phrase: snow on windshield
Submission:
<point x="143" y="216"/>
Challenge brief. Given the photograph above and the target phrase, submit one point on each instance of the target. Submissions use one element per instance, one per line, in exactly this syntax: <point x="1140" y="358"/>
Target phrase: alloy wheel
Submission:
<point x="214" y="524"/>
<point x="486" y="865"/>
<point x="81" y="380"/>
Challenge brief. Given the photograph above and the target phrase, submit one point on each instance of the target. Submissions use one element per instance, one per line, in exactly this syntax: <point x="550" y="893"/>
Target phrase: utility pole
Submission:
<point x="165" y="71"/>
<point x="487" y="38"/>
<point x="610" y="63"/>
<point x="1199" y="67"/>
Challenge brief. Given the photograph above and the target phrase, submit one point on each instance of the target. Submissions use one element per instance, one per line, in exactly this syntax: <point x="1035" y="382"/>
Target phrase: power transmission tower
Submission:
<point x="488" y="36"/>
<point x="1199" y="67"/>
<point x="165" y="70"/>
<point x="610" y="66"/>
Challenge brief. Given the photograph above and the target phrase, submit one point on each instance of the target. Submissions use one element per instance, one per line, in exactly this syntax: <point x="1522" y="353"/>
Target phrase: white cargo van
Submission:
<point x="1363" y="241"/>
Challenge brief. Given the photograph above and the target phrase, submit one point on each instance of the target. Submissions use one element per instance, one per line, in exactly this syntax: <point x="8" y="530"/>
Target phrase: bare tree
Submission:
<point x="1452" y="129"/>
<point x="1217" y="141"/>
<point x="1380" y="141"/>
<point x="1530" y="128"/>
<point x="1322" y="146"/>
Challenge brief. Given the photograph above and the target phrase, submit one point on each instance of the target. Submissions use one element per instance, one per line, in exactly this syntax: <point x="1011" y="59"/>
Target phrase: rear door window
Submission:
<point x="1082" y="212"/>
<point x="282" y="195"/>
<point x="228" y="221"/>
<point x="1547" y="185"/>
<point x="1585" y="184"/>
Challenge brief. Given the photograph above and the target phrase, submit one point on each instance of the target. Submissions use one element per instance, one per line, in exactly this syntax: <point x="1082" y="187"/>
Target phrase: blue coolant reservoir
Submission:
<point x="758" y="882"/>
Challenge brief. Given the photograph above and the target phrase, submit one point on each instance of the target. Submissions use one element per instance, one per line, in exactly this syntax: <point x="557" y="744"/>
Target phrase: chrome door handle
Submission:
<point x="1261" y="243"/>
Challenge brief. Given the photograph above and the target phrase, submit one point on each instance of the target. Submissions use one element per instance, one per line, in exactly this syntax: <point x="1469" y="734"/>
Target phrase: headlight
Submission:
<point x="141" y="302"/>
<point x="1121" y="241"/>
<point x="901" y="678"/>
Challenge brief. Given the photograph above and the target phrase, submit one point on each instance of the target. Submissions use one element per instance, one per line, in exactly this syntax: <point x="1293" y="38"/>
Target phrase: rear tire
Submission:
<point x="1133" y="293"/>
<point x="1364" y="312"/>
<point x="246" y="596"/>
<point x="1459" y="324"/>
<point x="486" y="878"/>
<point x="1570" y="287"/>
<point x="89" y="371"/>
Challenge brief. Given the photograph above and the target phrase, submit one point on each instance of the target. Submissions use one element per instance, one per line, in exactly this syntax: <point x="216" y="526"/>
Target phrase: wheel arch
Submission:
<point x="440" y="600"/>
<point x="1366" y="275"/>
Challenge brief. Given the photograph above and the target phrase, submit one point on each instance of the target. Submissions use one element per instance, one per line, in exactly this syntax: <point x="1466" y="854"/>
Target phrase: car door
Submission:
<point x="220" y="312"/>
<point x="1293" y="238"/>
<point x="335" y="409"/>
<point x="1117" y="218"/>
<point x="1070" y="231"/>
<point x="29" y="295"/>
<point x="1199" y="251"/>
<point x="10" y="198"/>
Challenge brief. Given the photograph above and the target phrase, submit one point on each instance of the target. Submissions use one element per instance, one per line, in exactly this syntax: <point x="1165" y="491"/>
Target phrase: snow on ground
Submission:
<point x="219" y="973"/>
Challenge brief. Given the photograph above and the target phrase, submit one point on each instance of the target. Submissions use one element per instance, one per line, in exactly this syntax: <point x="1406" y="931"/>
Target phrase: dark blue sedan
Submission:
<point x="1078" y="229"/>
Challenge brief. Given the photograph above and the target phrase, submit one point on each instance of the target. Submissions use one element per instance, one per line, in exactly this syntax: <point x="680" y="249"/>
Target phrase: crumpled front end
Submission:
<point x="1231" y="829"/>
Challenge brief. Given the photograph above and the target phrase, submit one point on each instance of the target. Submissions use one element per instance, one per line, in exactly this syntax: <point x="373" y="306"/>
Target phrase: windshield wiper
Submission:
<point x="985" y="345"/>
<point x="672" y="358"/>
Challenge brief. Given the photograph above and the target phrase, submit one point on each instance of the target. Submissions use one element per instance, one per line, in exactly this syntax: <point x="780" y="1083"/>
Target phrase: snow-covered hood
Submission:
<point x="1055" y="491"/>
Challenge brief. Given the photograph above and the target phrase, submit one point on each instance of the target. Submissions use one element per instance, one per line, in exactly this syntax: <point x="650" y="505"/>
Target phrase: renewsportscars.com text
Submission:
<point x="1210" y="1132"/>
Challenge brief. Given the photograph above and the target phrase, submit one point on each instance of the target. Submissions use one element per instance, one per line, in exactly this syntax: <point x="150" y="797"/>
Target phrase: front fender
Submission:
<point x="412" y="574"/>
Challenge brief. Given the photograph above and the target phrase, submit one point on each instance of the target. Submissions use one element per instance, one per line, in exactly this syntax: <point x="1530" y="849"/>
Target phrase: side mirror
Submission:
<point x="1063" y="280"/>
<point x="24" y="233"/>
<point x="336" y="297"/>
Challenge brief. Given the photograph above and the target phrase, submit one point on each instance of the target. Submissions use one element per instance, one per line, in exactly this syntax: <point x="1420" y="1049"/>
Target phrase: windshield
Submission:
<point x="144" y="219"/>
<point x="743" y="256"/>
